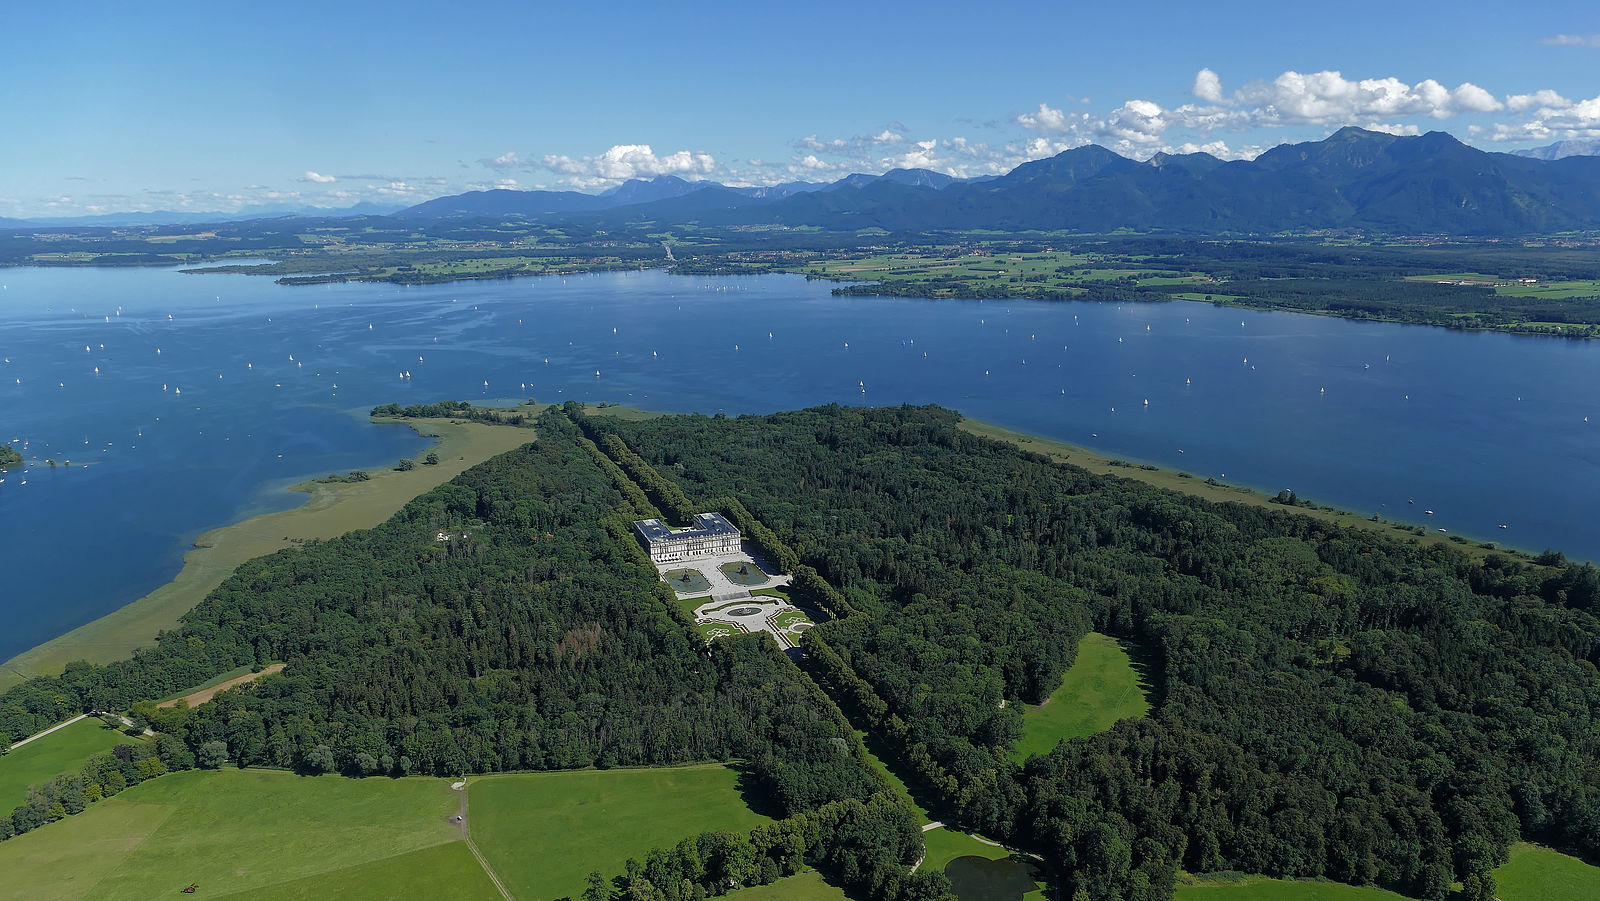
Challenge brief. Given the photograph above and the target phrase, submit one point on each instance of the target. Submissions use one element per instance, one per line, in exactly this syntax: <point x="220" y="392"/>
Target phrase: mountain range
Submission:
<point x="193" y="217"/>
<point x="1561" y="150"/>
<point x="1355" y="179"/>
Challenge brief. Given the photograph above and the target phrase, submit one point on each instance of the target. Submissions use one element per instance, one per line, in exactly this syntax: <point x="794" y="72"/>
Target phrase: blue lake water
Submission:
<point x="214" y="392"/>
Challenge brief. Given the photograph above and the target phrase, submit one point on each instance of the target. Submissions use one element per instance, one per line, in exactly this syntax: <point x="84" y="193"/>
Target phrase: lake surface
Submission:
<point x="215" y="391"/>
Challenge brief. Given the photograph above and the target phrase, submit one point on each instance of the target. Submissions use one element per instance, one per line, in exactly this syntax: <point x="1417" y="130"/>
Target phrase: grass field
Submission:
<point x="1535" y="873"/>
<point x="243" y="832"/>
<point x="1174" y="481"/>
<point x="545" y="832"/>
<point x="1252" y="888"/>
<point x="441" y="871"/>
<point x="1101" y="687"/>
<point x="333" y="510"/>
<point x="60" y="752"/>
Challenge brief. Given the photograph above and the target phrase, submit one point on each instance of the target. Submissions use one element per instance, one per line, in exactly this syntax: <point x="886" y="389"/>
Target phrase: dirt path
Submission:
<point x="48" y="731"/>
<point x="466" y="836"/>
<point x="206" y="694"/>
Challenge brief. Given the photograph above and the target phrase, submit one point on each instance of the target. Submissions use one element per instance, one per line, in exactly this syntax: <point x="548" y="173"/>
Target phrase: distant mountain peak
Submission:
<point x="1560" y="150"/>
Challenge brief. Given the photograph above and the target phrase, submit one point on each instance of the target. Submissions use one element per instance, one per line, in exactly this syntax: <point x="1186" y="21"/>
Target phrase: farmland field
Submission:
<point x="545" y="832"/>
<point x="237" y="832"/>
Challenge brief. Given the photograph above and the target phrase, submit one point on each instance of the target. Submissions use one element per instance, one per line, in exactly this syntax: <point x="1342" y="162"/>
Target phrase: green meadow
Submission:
<point x="543" y="833"/>
<point x="1536" y="873"/>
<point x="1099" y="689"/>
<point x="56" y="754"/>
<point x="253" y="833"/>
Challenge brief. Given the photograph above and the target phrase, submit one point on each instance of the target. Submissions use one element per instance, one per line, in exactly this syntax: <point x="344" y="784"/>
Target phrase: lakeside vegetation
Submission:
<point x="9" y="456"/>
<point x="1547" y="285"/>
<point x="332" y="510"/>
<point x="1222" y="492"/>
<point x="1333" y="702"/>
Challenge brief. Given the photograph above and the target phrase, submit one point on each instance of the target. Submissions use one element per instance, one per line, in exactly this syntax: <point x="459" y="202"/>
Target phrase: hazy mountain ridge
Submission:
<point x="1561" y="150"/>
<point x="1354" y="179"/>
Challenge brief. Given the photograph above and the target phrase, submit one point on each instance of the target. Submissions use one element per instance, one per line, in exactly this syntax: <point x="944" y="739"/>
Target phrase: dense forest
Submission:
<point x="1332" y="703"/>
<point x="1328" y="702"/>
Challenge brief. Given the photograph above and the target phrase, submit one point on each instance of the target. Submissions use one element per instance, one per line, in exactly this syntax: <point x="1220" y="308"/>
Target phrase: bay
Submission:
<point x="215" y="392"/>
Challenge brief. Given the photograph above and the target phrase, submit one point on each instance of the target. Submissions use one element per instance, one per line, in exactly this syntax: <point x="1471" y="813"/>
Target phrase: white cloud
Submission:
<point x="1048" y="120"/>
<point x="318" y="177"/>
<point x="1521" y="103"/>
<point x="1574" y="40"/>
<point x="507" y="160"/>
<point x="1207" y="86"/>
<point x="625" y="161"/>
<point x="1328" y="98"/>
<point x="1393" y="128"/>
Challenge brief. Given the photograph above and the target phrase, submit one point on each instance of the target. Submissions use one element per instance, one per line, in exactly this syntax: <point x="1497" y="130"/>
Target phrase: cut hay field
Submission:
<point x="1536" y="873"/>
<point x="250" y="833"/>
<point x="1100" y="688"/>
<point x="62" y="751"/>
<point x="545" y="832"/>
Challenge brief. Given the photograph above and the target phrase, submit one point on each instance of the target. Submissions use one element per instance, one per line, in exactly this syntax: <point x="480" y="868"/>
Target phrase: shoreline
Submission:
<point x="1171" y="479"/>
<point x="330" y="511"/>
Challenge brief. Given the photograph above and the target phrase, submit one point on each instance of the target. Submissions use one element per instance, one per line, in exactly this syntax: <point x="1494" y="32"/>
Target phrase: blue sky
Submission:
<point x="167" y="105"/>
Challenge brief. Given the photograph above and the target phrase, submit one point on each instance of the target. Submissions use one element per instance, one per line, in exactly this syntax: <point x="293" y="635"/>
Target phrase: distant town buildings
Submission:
<point x="711" y="534"/>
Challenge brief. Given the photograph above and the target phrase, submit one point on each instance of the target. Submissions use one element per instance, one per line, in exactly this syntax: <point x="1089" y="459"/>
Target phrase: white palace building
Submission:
<point x="711" y="534"/>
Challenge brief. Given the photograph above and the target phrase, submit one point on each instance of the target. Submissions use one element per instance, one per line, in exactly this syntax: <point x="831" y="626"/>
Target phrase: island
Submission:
<point x="936" y="664"/>
<point x="9" y="456"/>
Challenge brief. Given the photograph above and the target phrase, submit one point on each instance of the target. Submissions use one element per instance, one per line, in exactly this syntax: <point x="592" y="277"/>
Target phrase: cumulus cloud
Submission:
<point x="507" y="160"/>
<point x="625" y="161"/>
<point x="1574" y="40"/>
<point x="318" y="177"/>
<point x="1328" y="98"/>
<point x="1207" y="86"/>
<point x="1049" y="119"/>
<point x="1547" y="115"/>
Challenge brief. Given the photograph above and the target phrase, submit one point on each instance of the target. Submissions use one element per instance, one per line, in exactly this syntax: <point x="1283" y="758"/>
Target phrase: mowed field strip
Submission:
<point x="1099" y="688"/>
<point x="240" y="831"/>
<point x="195" y="699"/>
<point x="545" y="832"/>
